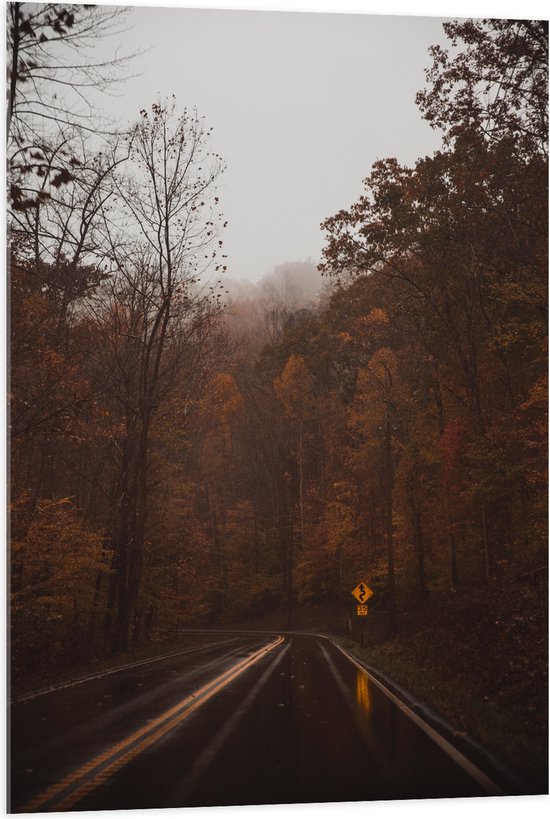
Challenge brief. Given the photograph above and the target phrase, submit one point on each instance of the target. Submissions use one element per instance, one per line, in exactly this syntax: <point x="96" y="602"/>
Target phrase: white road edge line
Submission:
<point x="71" y="683"/>
<point x="482" y="779"/>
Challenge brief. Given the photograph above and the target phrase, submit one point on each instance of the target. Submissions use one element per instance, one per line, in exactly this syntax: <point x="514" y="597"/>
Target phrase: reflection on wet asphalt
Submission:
<point x="302" y="724"/>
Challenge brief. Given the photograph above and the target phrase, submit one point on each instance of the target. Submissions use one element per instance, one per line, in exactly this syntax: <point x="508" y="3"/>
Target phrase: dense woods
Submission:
<point x="180" y="459"/>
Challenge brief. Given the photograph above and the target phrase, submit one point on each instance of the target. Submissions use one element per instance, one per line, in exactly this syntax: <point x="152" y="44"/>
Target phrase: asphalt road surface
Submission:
<point x="255" y="719"/>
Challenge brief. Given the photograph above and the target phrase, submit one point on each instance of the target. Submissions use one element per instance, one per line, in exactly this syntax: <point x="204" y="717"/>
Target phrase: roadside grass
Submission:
<point x="480" y="663"/>
<point x="507" y="736"/>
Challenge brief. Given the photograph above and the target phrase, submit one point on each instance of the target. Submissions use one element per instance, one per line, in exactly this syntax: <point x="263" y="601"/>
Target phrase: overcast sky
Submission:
<point x="302" y="104"/>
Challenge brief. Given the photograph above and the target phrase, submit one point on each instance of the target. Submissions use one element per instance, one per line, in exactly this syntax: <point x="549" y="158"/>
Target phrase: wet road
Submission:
<point x="249" y="720"/>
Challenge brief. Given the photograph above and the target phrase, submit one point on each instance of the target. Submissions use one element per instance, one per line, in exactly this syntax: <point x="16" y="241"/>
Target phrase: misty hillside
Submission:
<point x="257" y="310"/>
<point x="294" y="284"/>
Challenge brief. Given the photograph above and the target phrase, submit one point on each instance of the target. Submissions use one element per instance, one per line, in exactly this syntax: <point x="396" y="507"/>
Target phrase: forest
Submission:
<point x="183" y="457"/>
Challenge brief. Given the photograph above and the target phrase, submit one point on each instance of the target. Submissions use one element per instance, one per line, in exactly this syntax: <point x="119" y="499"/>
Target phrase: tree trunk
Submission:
<point x="418" y="534"/>
<point x="120" y="554"/>
<point x="93" y="614"/>
<point x="451" y="541"/>
<point x="301" y="464"/>
<point x="485" y="540"/>
<point x="389" y="527"/>
<point x="451" y="545"/>
<point x="14" y="67"/>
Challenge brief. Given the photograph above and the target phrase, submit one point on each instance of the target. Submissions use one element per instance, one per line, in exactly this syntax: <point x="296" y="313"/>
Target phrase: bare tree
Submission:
<point x="166" y="196"/>
<point x="54" y="74"/>
<point x="61" y="236"/>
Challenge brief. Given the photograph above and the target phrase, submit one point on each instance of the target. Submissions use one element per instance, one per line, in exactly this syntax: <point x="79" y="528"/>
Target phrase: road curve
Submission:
<point x="248" y="719"/>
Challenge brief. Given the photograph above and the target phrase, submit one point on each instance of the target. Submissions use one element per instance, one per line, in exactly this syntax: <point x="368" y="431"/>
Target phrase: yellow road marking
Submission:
<point x="129" y="748"/>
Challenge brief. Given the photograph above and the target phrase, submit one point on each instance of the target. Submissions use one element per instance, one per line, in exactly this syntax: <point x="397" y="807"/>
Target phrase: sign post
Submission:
<point x="362" y="593"/>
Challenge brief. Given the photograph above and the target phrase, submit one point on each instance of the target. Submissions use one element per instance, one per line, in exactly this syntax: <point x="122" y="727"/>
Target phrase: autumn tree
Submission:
<point x="463" y="232"/>
<point x="58" y="184"/>
<point x="222" y="405"/>
<point x="54" y="557"/>
<point x="495" y="82"/>
<point x="295" y="390"/>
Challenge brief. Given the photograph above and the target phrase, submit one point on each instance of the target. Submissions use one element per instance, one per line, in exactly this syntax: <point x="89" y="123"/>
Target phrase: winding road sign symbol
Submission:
<point x="362" y="592"/>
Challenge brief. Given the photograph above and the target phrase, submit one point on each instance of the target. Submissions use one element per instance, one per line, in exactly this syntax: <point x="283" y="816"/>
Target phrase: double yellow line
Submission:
<point x="70" y="790"/>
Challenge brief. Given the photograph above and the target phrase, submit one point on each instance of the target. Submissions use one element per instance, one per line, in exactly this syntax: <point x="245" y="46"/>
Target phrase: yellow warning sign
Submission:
<point x="362" y="593"/>
<point x="362" y="611"/>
